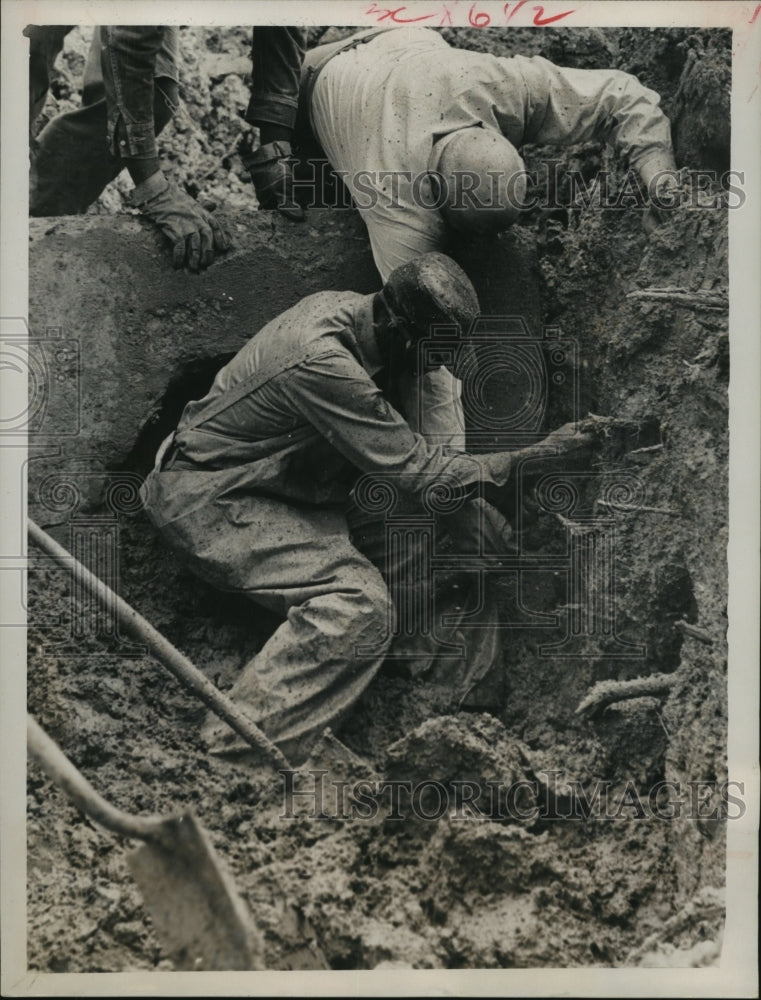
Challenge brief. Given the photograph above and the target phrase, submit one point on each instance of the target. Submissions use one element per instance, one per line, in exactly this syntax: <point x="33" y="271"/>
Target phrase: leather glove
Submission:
<point x="193" y="232"/>
<point x="271" y="170"/>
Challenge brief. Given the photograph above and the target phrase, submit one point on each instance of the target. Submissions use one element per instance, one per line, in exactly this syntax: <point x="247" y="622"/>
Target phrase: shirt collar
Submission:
<point x="364" y="331"/>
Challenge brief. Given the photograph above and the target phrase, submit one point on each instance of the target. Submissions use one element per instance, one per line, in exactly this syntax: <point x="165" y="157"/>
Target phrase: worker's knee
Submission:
<point x="373" y="593"/>
<point x="370" y="601"/>
<point x="375" y="626"/>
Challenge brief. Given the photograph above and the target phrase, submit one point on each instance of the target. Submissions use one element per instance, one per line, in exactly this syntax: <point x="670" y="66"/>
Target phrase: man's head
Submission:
<point x="423" y="293"/>
<point x="480" y="180"/>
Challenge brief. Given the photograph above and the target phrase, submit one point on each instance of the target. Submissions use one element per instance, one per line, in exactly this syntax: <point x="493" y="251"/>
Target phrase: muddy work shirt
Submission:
<point x="313" y="423"/>
<point x="378" y="108"/>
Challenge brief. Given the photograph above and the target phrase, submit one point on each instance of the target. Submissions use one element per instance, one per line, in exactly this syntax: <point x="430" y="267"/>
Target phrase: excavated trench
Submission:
<point x="502" y="857"/>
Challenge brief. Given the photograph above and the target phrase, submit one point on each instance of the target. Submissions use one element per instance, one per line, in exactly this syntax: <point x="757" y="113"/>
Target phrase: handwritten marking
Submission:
<point x="478" y="20"/>
<point x="515" y="9"/>
<point x="540" y="21"/>
<point x="395" y="14"/>
<point x="446" y="16"/>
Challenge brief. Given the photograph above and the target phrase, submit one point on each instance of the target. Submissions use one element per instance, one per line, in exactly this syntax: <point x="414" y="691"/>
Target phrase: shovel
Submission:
<point x="199" y="917"/>
<point x="186" y="672"/>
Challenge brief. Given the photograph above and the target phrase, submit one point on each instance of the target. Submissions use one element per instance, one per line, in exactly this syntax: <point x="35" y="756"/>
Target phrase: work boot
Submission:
<point x="271" y="170"/>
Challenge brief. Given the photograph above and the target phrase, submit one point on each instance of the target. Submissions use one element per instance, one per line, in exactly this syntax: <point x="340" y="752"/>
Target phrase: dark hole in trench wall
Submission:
<point x="193" y="381"/>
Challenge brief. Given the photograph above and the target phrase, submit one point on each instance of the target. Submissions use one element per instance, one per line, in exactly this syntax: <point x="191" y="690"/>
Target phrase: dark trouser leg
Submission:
<point x="73" y="164"/>
<point x="45" y="44"/>
<point x="277" y="55"/>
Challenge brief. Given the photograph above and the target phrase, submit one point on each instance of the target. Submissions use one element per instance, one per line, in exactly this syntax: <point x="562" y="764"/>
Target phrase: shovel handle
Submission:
<point x="162" y="649"/>
<point x="59" y="769"/>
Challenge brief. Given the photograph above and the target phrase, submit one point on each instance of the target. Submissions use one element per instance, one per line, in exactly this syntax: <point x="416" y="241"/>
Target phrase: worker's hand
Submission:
<point x="565" y="440"/>
<point x="193" y="232"/>
<point x="478" y="528"/>
<point x="669" y="193"/>
<point x="271" y="170"/>
<point x="570" y="437"/>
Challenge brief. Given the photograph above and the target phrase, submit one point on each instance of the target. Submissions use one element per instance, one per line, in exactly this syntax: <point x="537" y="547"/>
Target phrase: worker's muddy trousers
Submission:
<point x="299" y="562"/>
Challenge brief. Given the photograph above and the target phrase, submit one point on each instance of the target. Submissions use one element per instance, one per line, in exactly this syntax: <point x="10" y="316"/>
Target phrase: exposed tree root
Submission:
<point x="607" y="692"/>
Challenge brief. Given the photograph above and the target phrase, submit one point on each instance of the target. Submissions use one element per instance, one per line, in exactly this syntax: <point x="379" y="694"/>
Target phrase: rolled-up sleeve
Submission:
<point x="334" y="393"/>
<point x="576" y="105"/>
<point x="129" y="55"/>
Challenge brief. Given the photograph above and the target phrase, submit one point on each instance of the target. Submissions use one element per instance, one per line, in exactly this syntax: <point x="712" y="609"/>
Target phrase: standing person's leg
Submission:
<point x="45" y="44"/>
<point x="300" y="563"/>
<point x="93" y="89"/>
<point x="277" y="55"/>
<point x="72" y="164"/>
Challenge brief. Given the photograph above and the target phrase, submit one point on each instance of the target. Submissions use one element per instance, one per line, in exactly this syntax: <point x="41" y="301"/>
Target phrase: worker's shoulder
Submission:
<point x="322" y="307"/>
<point x="315" y="317"/>
<point x="328" y="300"/>
<point x="546" y="67"/>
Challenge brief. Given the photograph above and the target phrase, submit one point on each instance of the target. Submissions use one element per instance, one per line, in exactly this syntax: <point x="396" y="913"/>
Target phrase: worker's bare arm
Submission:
<point x="572" y="437"/>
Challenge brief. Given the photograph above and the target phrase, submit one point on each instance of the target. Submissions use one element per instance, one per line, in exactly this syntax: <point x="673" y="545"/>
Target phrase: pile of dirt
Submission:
<point x="522" y="880"/>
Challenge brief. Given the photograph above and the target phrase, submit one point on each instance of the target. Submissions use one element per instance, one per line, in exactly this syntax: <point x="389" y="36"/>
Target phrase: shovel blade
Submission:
<point x="196" y="911"/>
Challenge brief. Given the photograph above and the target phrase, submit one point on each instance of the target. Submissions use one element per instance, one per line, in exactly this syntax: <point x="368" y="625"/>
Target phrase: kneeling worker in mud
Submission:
<point x="254" y="487"/>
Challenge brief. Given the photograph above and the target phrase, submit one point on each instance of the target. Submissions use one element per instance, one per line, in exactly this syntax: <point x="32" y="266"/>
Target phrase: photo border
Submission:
<point x="737" y="975"/>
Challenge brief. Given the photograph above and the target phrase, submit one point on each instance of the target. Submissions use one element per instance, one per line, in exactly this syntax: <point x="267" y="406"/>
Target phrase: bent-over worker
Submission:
<point x="426" y="136"/>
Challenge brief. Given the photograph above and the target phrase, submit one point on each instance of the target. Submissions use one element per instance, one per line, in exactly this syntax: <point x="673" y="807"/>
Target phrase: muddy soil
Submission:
<point x="527" y="885"/>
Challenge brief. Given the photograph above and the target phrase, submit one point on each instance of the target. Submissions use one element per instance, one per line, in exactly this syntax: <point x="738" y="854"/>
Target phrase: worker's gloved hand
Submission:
<point x="478" y="528"/>
<point x="271" y="170"/>
<point x="193" y="232"/>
